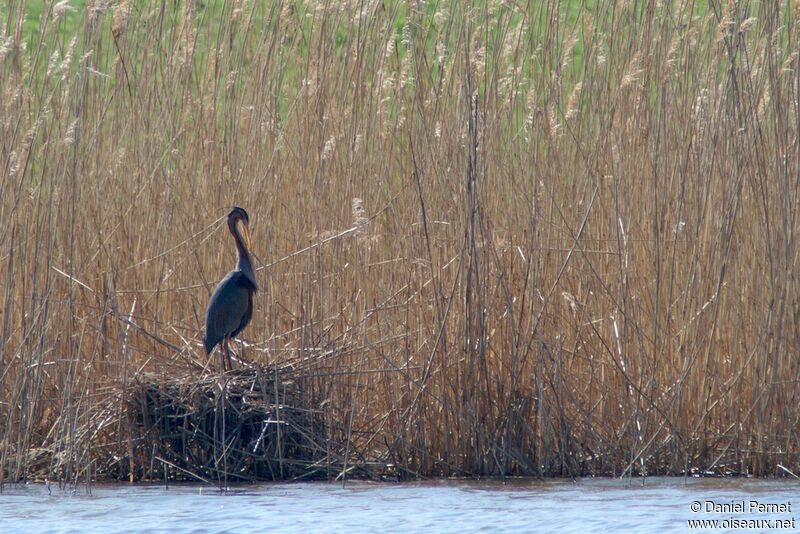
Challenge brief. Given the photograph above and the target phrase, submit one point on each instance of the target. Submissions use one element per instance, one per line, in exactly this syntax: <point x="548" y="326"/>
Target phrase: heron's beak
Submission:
<point x="246" y="236"/>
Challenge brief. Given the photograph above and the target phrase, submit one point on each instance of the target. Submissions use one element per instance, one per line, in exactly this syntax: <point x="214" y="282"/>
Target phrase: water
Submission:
<point x="588" y="505"/>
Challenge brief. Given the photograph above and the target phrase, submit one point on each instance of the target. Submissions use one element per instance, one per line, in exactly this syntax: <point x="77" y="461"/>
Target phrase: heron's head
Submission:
<point x="239" y="222"/>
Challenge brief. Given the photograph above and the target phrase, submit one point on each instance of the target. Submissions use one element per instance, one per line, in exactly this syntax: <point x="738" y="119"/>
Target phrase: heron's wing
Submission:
<point x="229" y="304"/>
<point x="248" y="314"/>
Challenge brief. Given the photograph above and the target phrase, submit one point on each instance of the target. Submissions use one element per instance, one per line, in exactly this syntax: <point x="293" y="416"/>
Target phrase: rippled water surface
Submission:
<point x="588" y="505"/>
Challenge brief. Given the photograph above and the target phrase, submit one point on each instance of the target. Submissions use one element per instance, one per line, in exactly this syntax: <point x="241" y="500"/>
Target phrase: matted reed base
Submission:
<point x="245" y="425"/>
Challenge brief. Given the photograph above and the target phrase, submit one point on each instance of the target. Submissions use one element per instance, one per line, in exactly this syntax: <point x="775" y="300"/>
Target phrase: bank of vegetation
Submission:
<point x="550" y="238"/>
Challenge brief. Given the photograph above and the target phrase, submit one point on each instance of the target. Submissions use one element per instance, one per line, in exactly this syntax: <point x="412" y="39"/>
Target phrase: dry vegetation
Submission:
<point x="548" y="239"/>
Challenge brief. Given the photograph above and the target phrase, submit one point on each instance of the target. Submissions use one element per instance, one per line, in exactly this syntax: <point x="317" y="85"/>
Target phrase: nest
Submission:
<point x="245" y="425"/>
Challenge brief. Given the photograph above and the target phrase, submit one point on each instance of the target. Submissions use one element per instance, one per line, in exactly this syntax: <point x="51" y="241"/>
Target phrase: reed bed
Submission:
<point x="553" y="238"/>
<point x="245" y="427"/>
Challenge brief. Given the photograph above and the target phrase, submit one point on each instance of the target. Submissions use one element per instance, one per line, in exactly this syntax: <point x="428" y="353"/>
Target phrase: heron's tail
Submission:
<point x="209" y="346"/>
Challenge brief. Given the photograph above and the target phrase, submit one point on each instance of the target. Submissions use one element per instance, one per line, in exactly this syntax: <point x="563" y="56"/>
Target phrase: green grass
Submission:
<point x="37" y="13"/>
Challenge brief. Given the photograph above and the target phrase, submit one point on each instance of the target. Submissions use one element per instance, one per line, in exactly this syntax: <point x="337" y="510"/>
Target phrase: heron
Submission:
<point x="231" y="306"/>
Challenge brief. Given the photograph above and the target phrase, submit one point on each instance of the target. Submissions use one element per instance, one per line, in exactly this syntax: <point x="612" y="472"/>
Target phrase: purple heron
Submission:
<point x="231" y="306"/>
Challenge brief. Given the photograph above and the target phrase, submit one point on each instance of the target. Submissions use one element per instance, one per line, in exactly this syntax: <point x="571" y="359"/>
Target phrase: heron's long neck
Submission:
<point x="243" y="262"/>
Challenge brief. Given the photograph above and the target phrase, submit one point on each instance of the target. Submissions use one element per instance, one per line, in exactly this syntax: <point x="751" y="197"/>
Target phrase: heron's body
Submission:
<point x="231" y="306"/>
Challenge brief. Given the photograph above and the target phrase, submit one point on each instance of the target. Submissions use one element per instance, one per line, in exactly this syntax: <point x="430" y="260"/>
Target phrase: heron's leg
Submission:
<point x="228" y="353"/>
<point x="223" y="351"/>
